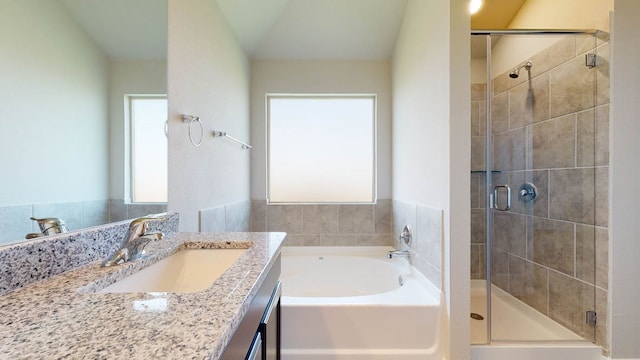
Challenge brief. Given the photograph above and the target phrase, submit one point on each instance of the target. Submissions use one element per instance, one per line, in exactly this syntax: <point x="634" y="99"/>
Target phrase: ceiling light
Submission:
<point x="474" y="6"/>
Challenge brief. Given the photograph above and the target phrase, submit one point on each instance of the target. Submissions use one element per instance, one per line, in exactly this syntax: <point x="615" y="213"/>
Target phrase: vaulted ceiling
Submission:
<point x="270" y="29"/>
<point x="334" y="29"/>
<point x="124" y="29"/>
<point x="312" y="29"/>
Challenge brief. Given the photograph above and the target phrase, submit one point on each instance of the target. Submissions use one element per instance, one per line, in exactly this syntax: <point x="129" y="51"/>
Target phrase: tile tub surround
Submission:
<point x="24" y="263"/>
<point x="326" y="225"/>
<point x="555" y="135"/>
<point x="426" y="244"/>
<point x="51" y="319"/>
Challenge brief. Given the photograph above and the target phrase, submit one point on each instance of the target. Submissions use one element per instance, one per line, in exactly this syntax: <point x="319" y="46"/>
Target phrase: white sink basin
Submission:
<point x="186" y="271"/>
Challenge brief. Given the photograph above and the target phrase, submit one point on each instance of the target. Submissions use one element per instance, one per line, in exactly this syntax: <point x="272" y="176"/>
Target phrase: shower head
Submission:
<point x="516" y="72"/>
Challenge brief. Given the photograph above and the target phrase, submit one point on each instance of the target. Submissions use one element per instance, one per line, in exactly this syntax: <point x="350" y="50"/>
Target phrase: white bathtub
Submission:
<point x="344" y="303"/>
<point x="521" y="332"/>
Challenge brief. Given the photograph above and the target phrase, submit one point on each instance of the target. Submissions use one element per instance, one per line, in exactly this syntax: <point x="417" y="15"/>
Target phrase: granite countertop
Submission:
<point x="62" y="318"/>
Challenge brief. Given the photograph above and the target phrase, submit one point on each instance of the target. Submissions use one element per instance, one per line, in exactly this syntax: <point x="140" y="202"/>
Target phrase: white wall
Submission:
<point x="421" y="106"/>
<point x="54" y="138"/>
<point x="128" y="77"/>
<point x="208" y="76"/>
<point x="322" y="76"/>
<point x="624" y="288"/>
<point x="457" y="249"/>
<point x="431" y="138"/>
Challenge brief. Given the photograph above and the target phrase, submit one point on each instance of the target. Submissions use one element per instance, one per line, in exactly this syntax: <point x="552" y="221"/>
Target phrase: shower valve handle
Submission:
<point x="527" y="192"/>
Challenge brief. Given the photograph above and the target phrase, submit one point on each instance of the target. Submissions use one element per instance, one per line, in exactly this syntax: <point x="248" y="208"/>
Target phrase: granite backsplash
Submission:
<point x="24" y="263"/>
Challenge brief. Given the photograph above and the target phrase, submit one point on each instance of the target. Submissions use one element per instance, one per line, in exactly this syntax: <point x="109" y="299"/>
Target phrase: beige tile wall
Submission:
<point x="552" y="131"/>
<point x="326" y="225"/>
<point x="478" y="155"/>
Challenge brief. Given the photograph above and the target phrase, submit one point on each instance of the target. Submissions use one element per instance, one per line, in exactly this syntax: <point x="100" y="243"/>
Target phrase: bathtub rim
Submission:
<point x="416" y="282"/>
<point x="336" y="250"/>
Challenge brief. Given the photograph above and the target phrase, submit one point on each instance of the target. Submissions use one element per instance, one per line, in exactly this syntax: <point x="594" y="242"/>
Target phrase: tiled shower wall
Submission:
<point x="552" y="131"/>
<point x="478" y="154"/>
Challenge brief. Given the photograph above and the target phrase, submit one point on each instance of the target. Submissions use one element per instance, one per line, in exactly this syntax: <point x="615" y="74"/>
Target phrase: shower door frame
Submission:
<point x="489" y="186"/>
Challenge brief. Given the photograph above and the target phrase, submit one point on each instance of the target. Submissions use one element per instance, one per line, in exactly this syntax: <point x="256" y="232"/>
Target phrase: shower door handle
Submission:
<point x="496" y="198"/>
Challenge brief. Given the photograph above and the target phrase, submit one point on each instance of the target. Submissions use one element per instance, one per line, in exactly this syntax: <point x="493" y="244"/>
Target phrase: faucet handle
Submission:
<point x="140" y="226"/>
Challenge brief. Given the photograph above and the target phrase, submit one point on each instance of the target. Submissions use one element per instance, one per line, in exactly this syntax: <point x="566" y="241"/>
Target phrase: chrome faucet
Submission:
<point x="392" y="253"/>
<point x="48" y="226"/>
<point x="136" y="240"/>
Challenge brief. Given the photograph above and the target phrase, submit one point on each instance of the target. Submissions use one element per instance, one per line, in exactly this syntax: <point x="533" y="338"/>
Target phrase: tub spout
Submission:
<point x="392" y="253"/>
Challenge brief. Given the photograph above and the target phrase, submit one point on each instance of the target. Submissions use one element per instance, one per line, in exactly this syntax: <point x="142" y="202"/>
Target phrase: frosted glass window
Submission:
<point x="321" y="149"/>
<point x="148" y="149"/>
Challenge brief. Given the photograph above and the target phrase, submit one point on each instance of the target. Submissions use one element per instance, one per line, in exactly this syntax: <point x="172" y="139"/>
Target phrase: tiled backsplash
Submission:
<point x="51" y="255"/>
<point x="552" y="253"/>
<point x="326" y="225"/>
<point x="15" y="222"/>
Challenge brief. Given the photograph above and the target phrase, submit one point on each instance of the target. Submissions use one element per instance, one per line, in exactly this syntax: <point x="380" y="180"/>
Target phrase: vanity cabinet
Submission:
<point x="255" y="352"/>
<point x="270" y="327"/>
<point x="258" y="335"/>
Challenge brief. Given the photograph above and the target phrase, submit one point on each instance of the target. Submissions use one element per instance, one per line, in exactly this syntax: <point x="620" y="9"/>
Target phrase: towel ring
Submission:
<point x="190" y="119"/>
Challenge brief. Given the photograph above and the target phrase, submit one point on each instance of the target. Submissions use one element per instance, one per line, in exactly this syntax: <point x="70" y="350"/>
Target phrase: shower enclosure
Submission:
<point x="539" y="185"/>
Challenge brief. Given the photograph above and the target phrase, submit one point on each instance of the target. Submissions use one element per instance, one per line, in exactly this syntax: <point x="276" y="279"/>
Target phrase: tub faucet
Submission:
<point x="392" y="253"/>
<point x="136" y="240"/>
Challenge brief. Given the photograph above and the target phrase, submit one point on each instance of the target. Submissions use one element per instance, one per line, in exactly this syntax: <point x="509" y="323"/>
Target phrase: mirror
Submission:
<point x="64" y="146"/>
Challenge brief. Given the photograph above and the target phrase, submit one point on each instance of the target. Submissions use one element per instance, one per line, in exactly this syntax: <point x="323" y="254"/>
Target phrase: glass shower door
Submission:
<point x="540" y="189"/>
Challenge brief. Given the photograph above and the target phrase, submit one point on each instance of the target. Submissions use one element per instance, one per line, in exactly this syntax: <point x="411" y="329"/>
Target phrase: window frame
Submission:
<point x="130" y="178"/>
<point x="374" y="144"/>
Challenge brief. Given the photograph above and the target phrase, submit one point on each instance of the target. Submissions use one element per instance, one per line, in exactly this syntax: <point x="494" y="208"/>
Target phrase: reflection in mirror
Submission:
<point x="67" y="68"/>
